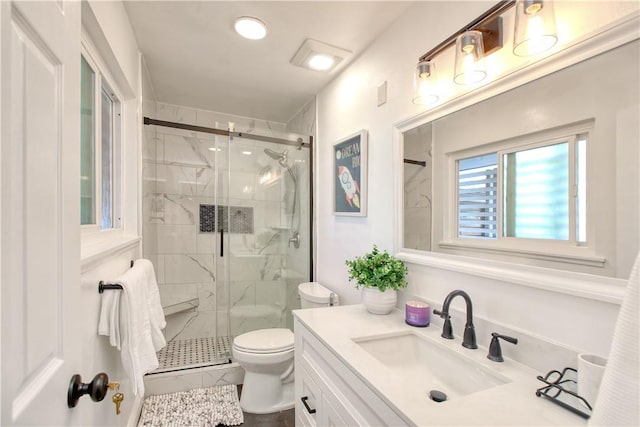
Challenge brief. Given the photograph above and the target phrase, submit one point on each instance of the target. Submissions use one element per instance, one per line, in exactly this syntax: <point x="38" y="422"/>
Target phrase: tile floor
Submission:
<point x="279" y="419"/>
<point x="194" y="352"/>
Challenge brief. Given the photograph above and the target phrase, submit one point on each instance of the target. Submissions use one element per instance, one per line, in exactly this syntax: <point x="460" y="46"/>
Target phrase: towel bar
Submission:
<point x="108" y="286"/>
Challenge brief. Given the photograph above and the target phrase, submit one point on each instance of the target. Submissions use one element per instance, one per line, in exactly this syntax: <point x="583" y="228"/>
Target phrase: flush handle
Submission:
<point x="306" y="405"/>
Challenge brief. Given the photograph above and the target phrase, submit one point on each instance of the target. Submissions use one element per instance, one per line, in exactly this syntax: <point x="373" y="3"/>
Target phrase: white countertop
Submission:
<point x="510" y="404"/>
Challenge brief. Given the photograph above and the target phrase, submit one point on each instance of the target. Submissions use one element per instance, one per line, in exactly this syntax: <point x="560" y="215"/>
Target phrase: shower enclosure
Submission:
<point x="227" y="224"/>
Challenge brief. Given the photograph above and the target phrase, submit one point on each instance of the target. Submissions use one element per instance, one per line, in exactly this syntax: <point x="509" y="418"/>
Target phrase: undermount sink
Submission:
<point x="417" y="361"/>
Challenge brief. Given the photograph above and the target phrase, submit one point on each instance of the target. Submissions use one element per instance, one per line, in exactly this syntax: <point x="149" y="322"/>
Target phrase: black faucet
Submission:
<point x="469" y="339"/>
<point x="495" y="351"/>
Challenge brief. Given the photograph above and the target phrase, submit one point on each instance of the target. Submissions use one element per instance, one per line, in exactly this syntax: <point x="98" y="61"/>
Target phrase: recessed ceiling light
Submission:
<point x="318" y="56"/>
<point x="250" y="28"/>
<point x="246" y="153"/>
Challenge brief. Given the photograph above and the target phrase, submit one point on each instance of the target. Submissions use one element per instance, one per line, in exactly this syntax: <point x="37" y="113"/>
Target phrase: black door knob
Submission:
<point x="96" y="389"/>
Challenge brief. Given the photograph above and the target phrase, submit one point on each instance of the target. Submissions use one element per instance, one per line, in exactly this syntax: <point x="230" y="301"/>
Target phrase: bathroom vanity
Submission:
<point x="356" y="368"/>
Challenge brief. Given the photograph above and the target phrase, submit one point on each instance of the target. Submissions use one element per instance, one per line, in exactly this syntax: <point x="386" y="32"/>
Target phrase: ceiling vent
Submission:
<point x="318" y="56"/>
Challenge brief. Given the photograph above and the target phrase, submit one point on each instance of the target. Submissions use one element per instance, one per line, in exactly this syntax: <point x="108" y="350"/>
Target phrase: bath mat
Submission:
<point x="201" y="407"/>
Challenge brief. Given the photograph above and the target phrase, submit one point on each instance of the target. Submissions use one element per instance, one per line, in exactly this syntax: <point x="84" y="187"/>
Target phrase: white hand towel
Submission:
<point x="133" y="319"/>
<point x="617" y="402"/>
<point x="109" y="322"/>
<point x="156" y="314"/>
<point x="138" y="351"/>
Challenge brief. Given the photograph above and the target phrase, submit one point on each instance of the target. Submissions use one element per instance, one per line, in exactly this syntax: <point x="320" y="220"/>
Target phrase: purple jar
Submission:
<point x="417" y="313"/>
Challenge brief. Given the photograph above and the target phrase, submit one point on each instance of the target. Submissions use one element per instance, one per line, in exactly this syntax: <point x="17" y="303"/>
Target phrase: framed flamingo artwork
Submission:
<point x="350" y="175"/>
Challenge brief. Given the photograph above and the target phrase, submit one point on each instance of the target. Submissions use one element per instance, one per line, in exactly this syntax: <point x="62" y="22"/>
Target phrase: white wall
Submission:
<point x="108" y="27"/>
<point x="349" y="104"/>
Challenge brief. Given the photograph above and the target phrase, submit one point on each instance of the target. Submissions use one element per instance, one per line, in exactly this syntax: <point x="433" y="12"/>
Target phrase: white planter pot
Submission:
<point x="378" y="302"/>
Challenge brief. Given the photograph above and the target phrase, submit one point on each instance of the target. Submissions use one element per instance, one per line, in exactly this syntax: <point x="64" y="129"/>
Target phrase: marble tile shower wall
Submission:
<point x="181" y="171"/>
<point x="298" y="260"/>
<point x="417" y="192"/>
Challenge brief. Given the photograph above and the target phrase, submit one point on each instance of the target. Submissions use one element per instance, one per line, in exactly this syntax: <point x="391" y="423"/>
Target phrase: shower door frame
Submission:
<point x="231" y="134"/>
<point x="297" y="143"/>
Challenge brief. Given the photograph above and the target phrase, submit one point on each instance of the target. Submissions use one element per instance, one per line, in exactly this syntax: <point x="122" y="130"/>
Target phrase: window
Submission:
<point x="87" y="145"/>
<point x="536" y="191"/>
<point x="478" y="196"/>
<point x="100" y="132"/>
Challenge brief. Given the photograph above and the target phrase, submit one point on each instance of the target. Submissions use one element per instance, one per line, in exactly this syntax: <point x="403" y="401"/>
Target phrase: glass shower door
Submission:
<point x="182" y="240"/>
<point x="227" y="226"/>
<point x="265" y="194"/>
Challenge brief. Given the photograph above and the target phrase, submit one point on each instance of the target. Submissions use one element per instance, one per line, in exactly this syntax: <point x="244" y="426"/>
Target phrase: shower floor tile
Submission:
<point x="193" y="353"/>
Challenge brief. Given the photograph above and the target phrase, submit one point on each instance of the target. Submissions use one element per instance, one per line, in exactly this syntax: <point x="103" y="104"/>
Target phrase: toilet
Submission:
<point x="267" y="358"/>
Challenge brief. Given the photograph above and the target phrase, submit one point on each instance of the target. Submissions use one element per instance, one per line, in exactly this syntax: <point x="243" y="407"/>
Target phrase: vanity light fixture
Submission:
<point x="535" y="28"/>
<point x="424" y="78"/>
<point x="318" y="56"/>
<point x="473" y="42"/>
<point x="535" y="32"/>
<point x="250" y="28"/>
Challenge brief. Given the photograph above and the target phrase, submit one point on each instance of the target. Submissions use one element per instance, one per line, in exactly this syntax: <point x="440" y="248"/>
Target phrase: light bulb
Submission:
<point x="424" y="79"/>
<point x="321" y="62"/>
<point x="535" y="28"/>
<point x="250" y="28"/>
<point x="469" y="65"/>
<point x="538" y="41"/>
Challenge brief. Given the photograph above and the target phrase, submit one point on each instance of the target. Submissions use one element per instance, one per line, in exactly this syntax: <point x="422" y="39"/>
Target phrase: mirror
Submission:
<point x="418" y="169"/>
<point x="598" y="97"/>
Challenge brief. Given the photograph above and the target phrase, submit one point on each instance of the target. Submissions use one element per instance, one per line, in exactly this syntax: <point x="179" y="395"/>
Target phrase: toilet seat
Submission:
<point x="265" y="341"/>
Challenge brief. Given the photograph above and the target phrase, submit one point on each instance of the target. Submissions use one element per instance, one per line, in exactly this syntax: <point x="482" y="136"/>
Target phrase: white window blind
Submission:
<point x="536" y="193"/>
<point x="478" y="196"/>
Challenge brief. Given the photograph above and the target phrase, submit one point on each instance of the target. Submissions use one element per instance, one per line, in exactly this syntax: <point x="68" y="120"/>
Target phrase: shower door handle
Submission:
<point x="222" y="243"/>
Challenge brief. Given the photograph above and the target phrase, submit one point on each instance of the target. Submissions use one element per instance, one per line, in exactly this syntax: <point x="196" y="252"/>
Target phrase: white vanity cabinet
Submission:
<point x="332" y="390"/>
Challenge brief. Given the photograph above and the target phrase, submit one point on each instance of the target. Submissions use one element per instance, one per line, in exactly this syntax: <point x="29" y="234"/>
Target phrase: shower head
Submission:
<point x="275" y="155"/>
<point x="282" y="160"/>
<point x="280" y="157"/>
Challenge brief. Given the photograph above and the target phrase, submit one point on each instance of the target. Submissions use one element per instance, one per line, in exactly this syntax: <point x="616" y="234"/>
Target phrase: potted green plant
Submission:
<point x="380" y="275"/>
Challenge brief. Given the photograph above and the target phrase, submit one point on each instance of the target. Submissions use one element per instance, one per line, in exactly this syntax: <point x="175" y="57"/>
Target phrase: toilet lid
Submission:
<point x="265" y="341"/>
<point x="315" y="292"/>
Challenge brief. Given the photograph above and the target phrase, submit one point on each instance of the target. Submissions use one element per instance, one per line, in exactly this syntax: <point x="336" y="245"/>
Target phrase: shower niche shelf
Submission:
<point x="181" y="306"/>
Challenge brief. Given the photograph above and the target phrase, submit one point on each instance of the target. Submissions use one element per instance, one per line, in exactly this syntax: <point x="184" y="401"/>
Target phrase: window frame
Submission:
<point x="572" y="141"/>
<point x="568" y="251"/>
<point x="104" y="82"/>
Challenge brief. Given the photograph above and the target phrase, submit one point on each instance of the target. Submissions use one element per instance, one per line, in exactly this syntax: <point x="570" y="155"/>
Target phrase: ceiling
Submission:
<point x="195" y="58"/>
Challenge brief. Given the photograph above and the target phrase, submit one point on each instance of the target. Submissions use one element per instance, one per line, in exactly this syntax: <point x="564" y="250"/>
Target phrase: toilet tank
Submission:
<point x="313" y="294"/>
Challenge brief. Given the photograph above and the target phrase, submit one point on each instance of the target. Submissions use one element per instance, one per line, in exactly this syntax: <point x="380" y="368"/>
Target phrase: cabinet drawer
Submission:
<point x="307" y="392"/>
<point x="350" y="399"/>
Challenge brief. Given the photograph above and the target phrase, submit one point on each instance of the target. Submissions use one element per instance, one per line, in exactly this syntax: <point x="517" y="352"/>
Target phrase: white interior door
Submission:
<point x="39" y="215"/>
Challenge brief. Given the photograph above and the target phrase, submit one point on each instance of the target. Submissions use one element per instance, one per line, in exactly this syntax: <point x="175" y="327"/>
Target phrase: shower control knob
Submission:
<point x="295" y="239"/>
